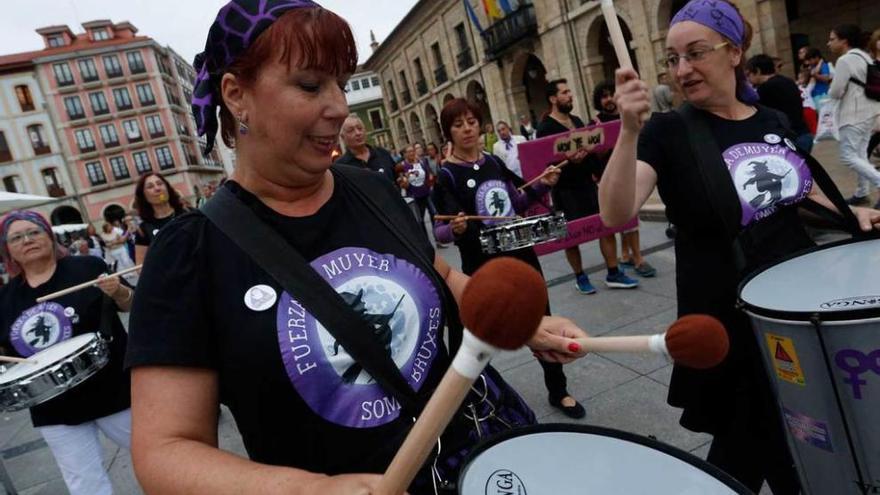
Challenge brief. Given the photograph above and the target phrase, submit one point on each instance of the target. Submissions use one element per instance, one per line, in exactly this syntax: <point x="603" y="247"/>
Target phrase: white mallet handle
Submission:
<point x="655" y="344"/>
<point x="616" y="34"/>
<point x="470" y="360"/>
<point x="617" y="40"/>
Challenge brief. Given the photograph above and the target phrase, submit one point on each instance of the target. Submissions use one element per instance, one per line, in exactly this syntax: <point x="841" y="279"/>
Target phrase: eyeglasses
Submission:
<point x="20" y="237"/>
<point x="693" y="55"/>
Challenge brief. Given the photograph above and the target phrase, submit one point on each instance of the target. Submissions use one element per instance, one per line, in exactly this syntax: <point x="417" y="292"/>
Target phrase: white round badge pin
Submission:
<point x="772" y="139"/>
<point x="260" y="298"/>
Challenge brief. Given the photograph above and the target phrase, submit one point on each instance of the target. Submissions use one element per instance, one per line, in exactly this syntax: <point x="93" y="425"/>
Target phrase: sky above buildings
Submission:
<point x="182" y="24"/>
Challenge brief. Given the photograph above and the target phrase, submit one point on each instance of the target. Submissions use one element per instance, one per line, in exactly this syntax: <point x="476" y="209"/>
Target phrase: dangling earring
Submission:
<point x="242" y="125"/>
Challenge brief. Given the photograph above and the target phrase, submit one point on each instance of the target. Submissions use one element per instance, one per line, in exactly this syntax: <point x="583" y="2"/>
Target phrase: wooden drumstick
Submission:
<point x="618" y="41"/>
<point x="86" y="285"/>
<point x="502" y="305"/>
<point x="13" y="359"/>
<point x="444" y="218"/>
<point x="543" y="174"/>
<point x="696" y="341"/>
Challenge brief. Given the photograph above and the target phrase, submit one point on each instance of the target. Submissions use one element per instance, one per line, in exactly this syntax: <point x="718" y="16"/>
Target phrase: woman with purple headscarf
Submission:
<point x="69" y="422"/>
<point x="717" y="162"/>
<point x="210" y="325"/>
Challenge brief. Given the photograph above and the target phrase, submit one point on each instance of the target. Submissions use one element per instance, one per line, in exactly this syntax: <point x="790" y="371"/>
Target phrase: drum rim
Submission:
<point x="679" y="454"/>
<point x="822" y="315"/>
<point x="41" y="370"/>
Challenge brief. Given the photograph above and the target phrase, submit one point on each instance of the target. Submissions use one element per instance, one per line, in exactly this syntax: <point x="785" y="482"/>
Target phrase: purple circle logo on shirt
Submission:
<point x="40" y="327"/>
<point x="493" y="200"/>
<point x="766" y="176"/>
<point x="401" y="305"/>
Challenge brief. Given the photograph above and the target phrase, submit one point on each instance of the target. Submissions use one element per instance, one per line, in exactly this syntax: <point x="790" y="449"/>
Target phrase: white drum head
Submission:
<point x="47" y="357"/>
<point x="840" y="278"/>
<point x="585" y="460"/>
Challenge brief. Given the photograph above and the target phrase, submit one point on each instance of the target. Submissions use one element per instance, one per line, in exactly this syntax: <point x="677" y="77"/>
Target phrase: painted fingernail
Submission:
<point x="574" y="347"/>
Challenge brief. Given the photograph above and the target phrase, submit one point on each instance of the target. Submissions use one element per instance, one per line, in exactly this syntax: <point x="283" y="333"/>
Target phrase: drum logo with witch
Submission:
<point x="401" y="306"/>
<point x="40" y="327"/>
<point x="493" y="200"/>
<point x="766" y="176"/>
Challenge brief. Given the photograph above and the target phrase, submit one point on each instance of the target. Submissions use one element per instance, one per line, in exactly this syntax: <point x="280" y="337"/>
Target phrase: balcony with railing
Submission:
<point x="515" y="27"/>
<point x="440" y="75"/>
<point x="465" y="60"/>
<point x="56" y="191"/>
<point x="42" y="149"/>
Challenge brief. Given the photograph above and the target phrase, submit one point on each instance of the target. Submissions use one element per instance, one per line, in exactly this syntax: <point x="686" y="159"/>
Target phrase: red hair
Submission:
<point x="310" y="38"/>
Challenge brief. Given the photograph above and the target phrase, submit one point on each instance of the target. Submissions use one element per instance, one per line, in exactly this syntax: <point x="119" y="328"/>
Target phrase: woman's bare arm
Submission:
<point x="174" y="443"/>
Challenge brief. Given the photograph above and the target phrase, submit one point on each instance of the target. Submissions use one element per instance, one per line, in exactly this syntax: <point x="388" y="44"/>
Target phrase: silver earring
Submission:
<point x="242" y="126"/>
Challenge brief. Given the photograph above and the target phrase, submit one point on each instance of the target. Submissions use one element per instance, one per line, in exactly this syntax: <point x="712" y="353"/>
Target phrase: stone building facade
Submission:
<point x="436" y="52"/>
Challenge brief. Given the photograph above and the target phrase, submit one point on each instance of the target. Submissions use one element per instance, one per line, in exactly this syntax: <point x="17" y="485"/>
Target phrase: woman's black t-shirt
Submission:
<point x="487" y="188"/>
<point x="763" y="179"/>
<point x="28" y="327"/>
<point x="148" y="229"/>
<point x="298" y="398"/>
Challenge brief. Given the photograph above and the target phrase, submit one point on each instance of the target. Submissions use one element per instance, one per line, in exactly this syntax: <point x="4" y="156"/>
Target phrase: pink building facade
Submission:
<point x="119" y="110"/>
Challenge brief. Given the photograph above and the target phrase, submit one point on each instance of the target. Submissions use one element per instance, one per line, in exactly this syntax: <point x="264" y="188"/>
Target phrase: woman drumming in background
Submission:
<point x="724" y="232"/>
<point x="70" y="422"/>
<point x="472" y="182"/>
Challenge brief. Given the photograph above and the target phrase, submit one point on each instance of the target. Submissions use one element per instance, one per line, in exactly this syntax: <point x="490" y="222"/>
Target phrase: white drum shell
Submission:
<point x="56" y="370"/>
<point x="824" y="302"/>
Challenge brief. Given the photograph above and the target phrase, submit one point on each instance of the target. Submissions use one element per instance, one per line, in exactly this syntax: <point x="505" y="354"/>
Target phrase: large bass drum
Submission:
<point x="563" y="459"/>
<point x="817" y="319"/>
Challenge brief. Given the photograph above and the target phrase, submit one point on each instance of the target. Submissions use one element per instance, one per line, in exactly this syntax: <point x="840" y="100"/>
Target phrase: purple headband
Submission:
<point x="236" y="27"/>
<point x="28" y="216"/>
<point x="724" y="19"/>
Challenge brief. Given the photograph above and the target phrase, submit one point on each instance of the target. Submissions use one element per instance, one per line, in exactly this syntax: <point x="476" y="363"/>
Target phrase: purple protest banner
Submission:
<point x="535" y="156"/>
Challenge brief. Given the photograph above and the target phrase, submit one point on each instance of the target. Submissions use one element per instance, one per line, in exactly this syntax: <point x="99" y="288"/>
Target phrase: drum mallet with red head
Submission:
<point x="694" y="341"/>
<point x="502" y="306"/>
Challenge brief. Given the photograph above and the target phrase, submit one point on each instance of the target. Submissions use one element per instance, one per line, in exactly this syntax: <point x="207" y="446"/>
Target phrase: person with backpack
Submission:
<point x="857" y="86"/>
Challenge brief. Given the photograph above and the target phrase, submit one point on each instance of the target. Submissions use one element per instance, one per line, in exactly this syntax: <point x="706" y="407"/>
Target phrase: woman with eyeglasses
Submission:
<point x="70" y="422"/>
<point x="737" y="190"/>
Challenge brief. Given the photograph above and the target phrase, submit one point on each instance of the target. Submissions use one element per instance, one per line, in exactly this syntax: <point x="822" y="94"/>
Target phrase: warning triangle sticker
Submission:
<point x="781" y="355"/>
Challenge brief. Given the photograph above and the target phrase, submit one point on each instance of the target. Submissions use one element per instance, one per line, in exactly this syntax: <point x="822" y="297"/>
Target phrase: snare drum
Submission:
<point x="817" y="319"/>
<point x="52" y="371"/>
<point x="562" y="459"/>
<point x="526" y="232"/>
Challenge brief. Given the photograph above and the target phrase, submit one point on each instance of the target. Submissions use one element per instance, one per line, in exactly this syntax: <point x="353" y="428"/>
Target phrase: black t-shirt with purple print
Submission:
<point x="486" y="188"/>
<point x="28" y="327"/>
<point x="297" y="396"/>
<point x="763" y="179"/>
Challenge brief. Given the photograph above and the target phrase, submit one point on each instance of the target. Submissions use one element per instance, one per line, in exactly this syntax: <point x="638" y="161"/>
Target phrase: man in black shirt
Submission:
<point x="575" y="193"/>
<point x="360" y="154"/>
<point x="781" y="93"/>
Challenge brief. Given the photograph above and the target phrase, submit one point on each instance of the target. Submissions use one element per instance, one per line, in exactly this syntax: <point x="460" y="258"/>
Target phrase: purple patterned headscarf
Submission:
<point x="236" y="27"/>
<point x="12" y="266"/>
<point x="724" y="19"/>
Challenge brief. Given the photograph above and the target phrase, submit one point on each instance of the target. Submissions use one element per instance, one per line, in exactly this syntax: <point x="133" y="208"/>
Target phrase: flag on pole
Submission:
<point x="473" y="15"/>
<point x="493" y="10"/>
